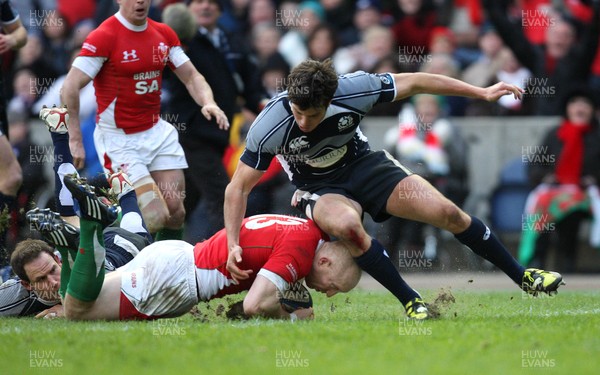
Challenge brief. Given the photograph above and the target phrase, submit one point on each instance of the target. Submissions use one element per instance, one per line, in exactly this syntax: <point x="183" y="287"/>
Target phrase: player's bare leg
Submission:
<point x="105" y="307"/>
<point x="416" y="199"/>
<point x="340" y="216"/>
<point x="171" y="184"/>
<point x="152" y="204"/>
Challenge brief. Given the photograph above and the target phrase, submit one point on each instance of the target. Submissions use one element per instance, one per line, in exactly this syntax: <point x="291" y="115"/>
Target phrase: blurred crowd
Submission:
<point x="547" y="47"/>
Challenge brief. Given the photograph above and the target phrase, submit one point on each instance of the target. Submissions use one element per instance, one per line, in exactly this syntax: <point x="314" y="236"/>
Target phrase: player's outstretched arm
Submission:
<point x="236" y="198"/>
<point x="69" y="95"/>
<point x="408" y="84"/>
<point x="201" y="92"/>
<point x="263" y="300"/>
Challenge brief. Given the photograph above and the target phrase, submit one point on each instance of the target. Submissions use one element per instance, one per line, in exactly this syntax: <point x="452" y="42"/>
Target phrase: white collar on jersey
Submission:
<point x="129" y="25"/>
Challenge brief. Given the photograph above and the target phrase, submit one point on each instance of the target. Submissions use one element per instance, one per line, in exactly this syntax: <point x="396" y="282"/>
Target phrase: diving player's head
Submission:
<point x="134" y="11"/>
<point x="38" y="268"/>
<point x="333" y="270"/>
<point x="311" y="86"/>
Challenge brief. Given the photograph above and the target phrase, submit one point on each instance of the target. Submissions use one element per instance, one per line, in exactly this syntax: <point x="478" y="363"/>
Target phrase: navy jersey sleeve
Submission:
<point x="266" y="134"/>
<point x="362" y="91"/>
<point x="8" y="14"/>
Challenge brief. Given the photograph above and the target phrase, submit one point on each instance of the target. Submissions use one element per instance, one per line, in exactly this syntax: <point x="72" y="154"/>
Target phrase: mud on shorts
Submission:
<point x="369" y="180"/>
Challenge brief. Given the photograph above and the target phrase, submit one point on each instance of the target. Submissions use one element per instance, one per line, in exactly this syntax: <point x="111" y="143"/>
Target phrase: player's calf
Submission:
<point x="152" y="204"/>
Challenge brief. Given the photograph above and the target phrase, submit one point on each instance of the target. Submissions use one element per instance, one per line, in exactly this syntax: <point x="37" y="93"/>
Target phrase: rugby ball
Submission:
<point x="295" y="297"/>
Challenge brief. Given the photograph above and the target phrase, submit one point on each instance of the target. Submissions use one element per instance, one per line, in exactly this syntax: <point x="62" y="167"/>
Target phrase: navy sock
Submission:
<point x="129" y="204"/>
<point x="380" y="267"/>
<point x="99" y="181"/>
<point x="484" y="243"/>
<point x="62" y="155"/>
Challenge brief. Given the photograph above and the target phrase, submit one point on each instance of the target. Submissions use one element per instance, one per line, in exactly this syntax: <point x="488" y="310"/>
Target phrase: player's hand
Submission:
<point x="212" y="110"/>
<point x="495" y="92"/>
<point x="235" y="256"/>
<point x="77" y="151"/>
<point x="56" y="311"/>
<point x="6" y="43"/>
<point x="303" y="314"/>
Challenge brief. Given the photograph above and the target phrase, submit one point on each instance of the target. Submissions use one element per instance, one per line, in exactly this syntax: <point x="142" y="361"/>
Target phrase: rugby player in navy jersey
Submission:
<point x="313" y="129"/>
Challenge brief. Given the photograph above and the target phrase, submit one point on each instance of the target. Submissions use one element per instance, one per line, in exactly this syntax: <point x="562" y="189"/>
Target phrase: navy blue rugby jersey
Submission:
<point x="337" y="140"/>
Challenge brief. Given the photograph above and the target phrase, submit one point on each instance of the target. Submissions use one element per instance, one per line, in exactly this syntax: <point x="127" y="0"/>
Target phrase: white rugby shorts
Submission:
<point x="138" y="154"/>
<point x="160" y="282"/>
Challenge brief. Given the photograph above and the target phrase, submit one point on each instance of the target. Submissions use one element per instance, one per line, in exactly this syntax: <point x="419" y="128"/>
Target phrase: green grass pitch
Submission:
<point x="356" y="333"/>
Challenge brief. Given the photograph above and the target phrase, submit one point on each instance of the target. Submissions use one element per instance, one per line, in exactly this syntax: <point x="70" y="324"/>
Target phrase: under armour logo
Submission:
<point x="132" y="54"/>
<point x="487" y="234"/>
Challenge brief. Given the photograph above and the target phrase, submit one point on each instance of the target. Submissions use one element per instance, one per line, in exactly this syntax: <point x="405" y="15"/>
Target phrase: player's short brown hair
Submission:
<point x="312" y="84"/>
<point x="25" y="252"/>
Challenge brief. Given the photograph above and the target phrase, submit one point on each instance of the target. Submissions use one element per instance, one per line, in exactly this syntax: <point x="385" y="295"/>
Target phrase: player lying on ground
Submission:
<point x="313" y="130"/>
<point x="168" y="278"/>
<point x="25" y="297"/>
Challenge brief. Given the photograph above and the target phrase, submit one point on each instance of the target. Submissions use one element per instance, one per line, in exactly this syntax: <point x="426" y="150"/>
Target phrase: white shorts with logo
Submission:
<point x="160" y="282"/>
<point x="138" y="154"/>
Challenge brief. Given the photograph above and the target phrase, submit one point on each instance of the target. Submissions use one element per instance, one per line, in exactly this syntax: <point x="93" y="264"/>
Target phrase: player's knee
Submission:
<point x="176" y="216"/>
<point x="348" y="226"/>
<point x="251" y="308"/>
<point x="155" y="216"/>
<point x="453" y="217"/>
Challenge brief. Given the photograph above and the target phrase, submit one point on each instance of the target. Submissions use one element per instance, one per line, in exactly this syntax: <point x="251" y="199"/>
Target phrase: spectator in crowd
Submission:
<point x="32" y="57"/>
<point x="225" y="62"/>
<point x="464" y="18"/>
<point x="565" y="171"/>
<point x="274" y="75"/>
<point x="55" y="37"/>
<point x="483" y="71"/>
<point x="265" y="40"/>
<point x="260" y="11"/>
<point x="322" y="42"/>
<point x="338" y="13"/>
<point x="416" y="21"/>
<point x="377" y="43"/>
<point x="300" y="24"/>
<point x="558" y="65"/>
<point x="25" y="90"/>
<point x="366" y="14"/>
